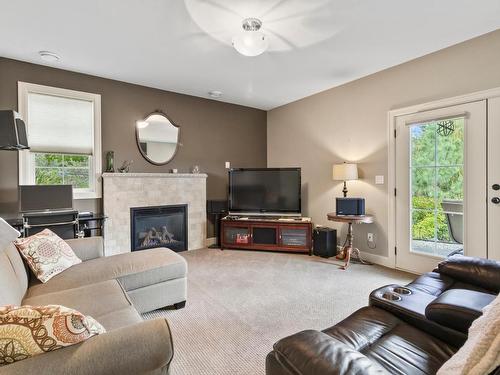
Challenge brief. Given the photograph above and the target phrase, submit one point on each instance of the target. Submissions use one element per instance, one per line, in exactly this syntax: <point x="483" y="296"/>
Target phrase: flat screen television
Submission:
<point x="265" y="191"/>
<point x="33" y="198"/>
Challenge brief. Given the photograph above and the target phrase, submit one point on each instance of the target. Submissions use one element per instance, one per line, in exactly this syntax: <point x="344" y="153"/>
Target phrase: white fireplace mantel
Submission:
<point x="155" y="175"/>
<point x="122" y="191"/>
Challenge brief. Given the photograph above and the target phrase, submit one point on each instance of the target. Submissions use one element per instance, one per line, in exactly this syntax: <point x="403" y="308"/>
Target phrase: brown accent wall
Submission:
<point x="349" y="123"/>
<point x="212" y="132"/>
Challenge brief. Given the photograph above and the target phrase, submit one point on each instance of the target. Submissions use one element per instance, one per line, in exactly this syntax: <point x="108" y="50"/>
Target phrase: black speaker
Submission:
<point x="216" y="209"/>
<point x="217" y="206"/>
<point x="12" y="131"/>
<point x="350" y="206"/>
<point x="325" y="242"/>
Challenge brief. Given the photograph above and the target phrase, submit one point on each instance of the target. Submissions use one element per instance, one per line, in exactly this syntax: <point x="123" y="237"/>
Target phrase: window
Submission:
<point x="64" y="135"/>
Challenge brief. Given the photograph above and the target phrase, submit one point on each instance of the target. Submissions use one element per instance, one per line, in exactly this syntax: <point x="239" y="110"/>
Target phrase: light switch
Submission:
<point x="379" y="180"/>
<point x="228" y="164"/>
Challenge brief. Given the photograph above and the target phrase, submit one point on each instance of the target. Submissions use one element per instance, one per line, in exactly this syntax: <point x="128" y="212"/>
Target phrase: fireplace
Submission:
<point x="159" y="226"/>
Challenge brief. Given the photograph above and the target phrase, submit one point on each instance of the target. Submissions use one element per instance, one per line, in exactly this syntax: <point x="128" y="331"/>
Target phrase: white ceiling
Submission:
<point x="185" y="45"/>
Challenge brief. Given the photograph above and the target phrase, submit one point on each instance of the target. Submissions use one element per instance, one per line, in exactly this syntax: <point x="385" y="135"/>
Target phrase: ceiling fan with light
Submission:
<point x="251" y="41"/>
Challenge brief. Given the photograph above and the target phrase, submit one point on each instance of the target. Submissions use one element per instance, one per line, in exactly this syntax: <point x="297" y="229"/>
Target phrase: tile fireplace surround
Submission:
<point x="122" y="191"/>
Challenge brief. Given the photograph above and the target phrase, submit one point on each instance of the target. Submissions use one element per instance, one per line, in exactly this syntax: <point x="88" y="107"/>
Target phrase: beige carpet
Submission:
<point x="241" y="302"/>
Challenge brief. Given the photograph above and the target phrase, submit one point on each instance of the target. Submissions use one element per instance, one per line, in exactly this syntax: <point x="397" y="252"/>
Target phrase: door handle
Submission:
<point x="495" y="200"/>
<point x="496" y="187"/>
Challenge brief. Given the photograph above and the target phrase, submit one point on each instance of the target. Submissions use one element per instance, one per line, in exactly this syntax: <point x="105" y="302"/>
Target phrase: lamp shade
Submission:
<point x="345" y="172"/>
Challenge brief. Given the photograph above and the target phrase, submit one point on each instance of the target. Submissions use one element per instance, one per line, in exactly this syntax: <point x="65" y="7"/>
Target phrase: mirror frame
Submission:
<point x="161" y="113"/>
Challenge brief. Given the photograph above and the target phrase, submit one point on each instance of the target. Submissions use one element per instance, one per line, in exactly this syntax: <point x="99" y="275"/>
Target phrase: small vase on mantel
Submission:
<point x="110" y="162"/>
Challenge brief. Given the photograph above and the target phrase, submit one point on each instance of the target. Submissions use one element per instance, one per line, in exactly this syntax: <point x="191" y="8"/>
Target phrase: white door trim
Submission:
<point x="493" y="177"/>
<point x="391" y="141"/>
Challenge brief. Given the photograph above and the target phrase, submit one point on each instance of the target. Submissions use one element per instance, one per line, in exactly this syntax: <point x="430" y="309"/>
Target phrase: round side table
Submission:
<point x="349" y="250"/>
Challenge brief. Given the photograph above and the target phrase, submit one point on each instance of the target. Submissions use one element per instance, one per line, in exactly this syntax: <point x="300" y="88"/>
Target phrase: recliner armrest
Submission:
<point x="484" y="273"/>
<point x="458" y="308"/>
<point x="141" y="348"/>
<point x="314" y="352"/>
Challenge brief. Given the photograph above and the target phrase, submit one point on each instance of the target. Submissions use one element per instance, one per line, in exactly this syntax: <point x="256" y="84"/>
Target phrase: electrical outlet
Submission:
<point x="370" y="237"/>
<point x="228" y="164"/>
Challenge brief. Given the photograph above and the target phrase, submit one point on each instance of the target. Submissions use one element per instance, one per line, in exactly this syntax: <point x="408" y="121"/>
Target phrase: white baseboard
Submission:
<point x="378" y="259"/>
<point x="373" y="258"/>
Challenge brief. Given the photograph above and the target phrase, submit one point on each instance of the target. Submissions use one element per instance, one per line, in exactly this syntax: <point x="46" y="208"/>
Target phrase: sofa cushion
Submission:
<point x="26" y="331"/>
<point x="392" y="343"/>
<point x="134" y="270"/>
<point x="7" y="234"/>
<point x="119" y="318"/>
<point x="94" y="299"/>
<point x="106" y="301"/>
<point x="144" y="348"/>
<point x="87" y="248"/>
<point x="47" y="254"/>
<point x="13" y="277"/>
<point x="329" y="356"/>
<point x="483" y="273"/>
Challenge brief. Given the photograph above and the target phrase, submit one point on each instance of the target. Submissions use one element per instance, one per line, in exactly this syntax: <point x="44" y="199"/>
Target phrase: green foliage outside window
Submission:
<point x="436" y="175"/>
<point x="55" y="169"/>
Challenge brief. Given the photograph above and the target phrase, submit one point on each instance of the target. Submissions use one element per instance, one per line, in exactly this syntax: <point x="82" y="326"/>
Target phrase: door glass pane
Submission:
<point x="437" y="186"/>
<point x="423" y="187"/>
<point x="294" y="237"/>
<point x="237" y="235"/>
<point x="423" y="139"/>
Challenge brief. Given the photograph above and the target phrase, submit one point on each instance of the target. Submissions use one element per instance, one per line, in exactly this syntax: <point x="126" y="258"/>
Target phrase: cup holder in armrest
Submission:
<point x="391" y="296"/>
<point x="402" y="290"/>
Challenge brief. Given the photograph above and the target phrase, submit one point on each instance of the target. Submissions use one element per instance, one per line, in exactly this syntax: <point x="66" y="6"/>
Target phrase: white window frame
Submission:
<point x="26" y="176"/>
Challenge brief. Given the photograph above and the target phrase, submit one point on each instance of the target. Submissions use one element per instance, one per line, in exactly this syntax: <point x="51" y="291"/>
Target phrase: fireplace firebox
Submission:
<point x="159" y="226"/>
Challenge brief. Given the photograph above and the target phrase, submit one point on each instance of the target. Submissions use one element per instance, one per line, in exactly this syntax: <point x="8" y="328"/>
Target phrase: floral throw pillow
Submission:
<point x="47" y="254"/>
<point x="26" y="331"/>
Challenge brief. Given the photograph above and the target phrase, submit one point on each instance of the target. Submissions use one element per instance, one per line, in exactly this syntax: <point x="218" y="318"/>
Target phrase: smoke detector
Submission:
<point x="49" y="56"/>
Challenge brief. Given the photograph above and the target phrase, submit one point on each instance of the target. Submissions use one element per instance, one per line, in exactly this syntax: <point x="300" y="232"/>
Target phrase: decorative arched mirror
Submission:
<point x="157" y="138"/>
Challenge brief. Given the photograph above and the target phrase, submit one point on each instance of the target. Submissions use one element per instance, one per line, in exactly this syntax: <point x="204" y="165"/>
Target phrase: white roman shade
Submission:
<point x="60" y="124"/>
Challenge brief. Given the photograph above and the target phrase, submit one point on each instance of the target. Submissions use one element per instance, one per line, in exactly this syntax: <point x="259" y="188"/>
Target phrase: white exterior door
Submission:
<point x="441" y="185"/>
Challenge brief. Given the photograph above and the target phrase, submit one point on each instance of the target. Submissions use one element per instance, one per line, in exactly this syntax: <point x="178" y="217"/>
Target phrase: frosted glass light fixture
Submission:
<point x="251" y="41"/>
<point x="345" y="172"/>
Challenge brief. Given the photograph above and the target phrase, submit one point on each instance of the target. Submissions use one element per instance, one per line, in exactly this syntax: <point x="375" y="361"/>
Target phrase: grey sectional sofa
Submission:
<point x="113" y="290"/>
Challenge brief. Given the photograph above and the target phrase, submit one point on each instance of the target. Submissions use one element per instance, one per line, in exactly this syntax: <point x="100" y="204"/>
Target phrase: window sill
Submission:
<point x="86" y="195"/>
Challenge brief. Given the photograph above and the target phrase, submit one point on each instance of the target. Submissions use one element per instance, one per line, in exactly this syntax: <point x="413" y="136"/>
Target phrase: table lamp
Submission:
<point x="345" y="172"/>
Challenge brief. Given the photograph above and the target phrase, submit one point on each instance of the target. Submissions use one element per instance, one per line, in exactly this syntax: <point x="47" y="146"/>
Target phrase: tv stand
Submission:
<point x="290" y="234"/>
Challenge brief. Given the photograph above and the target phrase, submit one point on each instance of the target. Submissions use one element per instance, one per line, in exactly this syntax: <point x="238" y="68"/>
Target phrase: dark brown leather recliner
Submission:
<point x="405" y="330"/>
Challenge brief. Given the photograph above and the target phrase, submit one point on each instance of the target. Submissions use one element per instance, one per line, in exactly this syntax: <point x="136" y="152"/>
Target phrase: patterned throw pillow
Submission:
<point x="47" y="254"/>
<point x="26" y="331"/>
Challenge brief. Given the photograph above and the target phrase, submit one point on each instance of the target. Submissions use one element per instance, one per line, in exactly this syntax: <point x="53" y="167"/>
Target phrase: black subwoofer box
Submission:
<point x="325" y="242"/>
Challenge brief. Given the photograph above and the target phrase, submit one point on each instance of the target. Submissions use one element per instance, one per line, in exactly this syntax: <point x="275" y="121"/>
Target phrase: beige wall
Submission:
<point x="212" y="132"/>
<point x="349" y="123"/>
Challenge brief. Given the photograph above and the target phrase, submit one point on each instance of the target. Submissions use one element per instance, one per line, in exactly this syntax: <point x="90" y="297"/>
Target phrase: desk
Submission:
<point x="88" y="225"/>
<point x="349" y="250"/>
